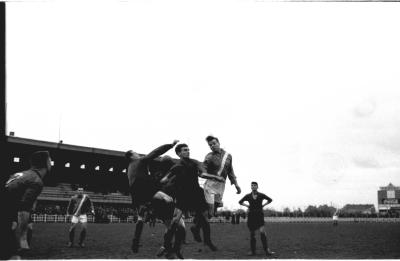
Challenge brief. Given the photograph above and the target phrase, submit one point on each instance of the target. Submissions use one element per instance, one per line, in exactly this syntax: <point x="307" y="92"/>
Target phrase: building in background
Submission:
<point x="389" y="200"/>
<point x="358" y="210"/>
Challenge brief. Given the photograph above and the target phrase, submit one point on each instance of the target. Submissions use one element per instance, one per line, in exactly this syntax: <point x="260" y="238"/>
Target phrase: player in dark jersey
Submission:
<point x="183" y="185"/>
<point x="22" y="190"/>
<point x="165" y="212"/>
<point x="255" y="218"/>
<point x="79" y="206"/>
<point x="143" y="186"/>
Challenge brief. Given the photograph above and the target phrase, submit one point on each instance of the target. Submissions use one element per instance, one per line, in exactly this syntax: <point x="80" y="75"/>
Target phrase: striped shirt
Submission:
<point x="212" y="164"/>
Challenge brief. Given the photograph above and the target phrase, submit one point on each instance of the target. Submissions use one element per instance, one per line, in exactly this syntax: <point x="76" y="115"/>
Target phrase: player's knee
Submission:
<point x="162" y="196"/>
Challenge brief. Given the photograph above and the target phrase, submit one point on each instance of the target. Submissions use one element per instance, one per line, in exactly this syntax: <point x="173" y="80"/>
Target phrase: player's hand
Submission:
<point x="93" y="212"/>
<point x="175" y="142"/>
<point x="238" y="190"/>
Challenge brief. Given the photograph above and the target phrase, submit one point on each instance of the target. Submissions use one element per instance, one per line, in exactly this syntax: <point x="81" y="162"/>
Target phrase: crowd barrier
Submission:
<point x="44" y="218"/>
<point x="328" y="219"/>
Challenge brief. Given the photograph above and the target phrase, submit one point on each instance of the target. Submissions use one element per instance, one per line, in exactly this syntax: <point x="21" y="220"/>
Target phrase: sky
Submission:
<point x="305" y="96"/>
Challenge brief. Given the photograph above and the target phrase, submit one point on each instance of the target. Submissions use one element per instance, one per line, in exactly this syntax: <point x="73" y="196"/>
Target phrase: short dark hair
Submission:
<point x="128" y="154"/>
<point x="39" y="159"/>
<point x="179" y="147"/>
<point x="254" y="183"/>
<point x="210" y="138"/>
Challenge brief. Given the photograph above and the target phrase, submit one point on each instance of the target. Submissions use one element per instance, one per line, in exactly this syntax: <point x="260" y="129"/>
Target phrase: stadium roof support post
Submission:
<point x="4" y="165"/>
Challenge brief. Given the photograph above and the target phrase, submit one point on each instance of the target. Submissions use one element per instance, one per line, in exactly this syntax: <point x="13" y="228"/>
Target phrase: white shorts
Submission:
<point x="80" y="218"/>
<point x="214" y="191"/>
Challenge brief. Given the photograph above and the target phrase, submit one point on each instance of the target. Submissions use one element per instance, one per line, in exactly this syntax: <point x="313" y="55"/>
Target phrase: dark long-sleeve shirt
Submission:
<point x="139" y="168"/>
<point x="212" y="164"/>
<point x="255" y="204"/>
<point x="184" y="178"/>
<point x="184" y="185"/>
<point x="24" y="188"/>
<point x="87" y="205"/>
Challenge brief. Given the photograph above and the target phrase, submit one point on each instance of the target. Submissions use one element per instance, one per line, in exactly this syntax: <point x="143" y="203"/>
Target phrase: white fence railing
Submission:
<point x="37" y="218"/>
<point x="327" y="219"/>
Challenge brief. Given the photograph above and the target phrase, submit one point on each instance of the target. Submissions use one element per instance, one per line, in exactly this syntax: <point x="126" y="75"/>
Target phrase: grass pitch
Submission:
<point x="289" y="240"/>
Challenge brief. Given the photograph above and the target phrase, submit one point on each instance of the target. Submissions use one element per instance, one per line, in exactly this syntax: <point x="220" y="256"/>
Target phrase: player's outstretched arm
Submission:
<point x="69" y="207"/>
<point x="238" y="189"/>
<point x="232" y="177"/>
<point x="160" y="150"/>
<point x="91" y="206"/>
<point x="170" y="176"/>
<point x="203" y="172"/>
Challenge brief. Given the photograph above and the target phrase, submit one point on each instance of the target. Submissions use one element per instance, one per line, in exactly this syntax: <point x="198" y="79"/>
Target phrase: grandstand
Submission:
<point x="63" y="192"/>
<point x="97" y="170"/>
<point x="102" y="173"/>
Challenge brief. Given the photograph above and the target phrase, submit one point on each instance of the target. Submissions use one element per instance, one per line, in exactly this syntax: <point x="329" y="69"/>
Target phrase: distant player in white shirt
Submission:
<point x="335" y="217"/>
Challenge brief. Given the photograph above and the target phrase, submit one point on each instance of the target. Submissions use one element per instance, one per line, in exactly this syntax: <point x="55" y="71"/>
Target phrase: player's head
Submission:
<point x="79" y="191"/>
<point x="41" y="160"/>
<point x="254" y="186"/>
<point x="131" y="155"/>
<point x="182" y="150"/>
<point x="213" y="143"/>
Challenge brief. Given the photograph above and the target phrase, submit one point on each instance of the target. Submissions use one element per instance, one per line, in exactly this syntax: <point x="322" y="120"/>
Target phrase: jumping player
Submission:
<point x="79" y="206"/>
<point x="183" y="179"/>
<point x="218" y="162"/>
<point x="256" y="217"/>
<point x="143" y="186"/>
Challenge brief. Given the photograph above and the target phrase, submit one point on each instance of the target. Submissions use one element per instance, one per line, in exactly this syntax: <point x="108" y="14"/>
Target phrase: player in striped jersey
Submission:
<point x="79" y="206"/>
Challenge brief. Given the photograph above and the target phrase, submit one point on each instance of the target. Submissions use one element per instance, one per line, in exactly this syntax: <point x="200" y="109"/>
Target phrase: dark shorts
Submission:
<point x="255" y="220"/>
<point x="142" y="192"/>
<point x="192" y="201"/>
<point x="163" y="210"/>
